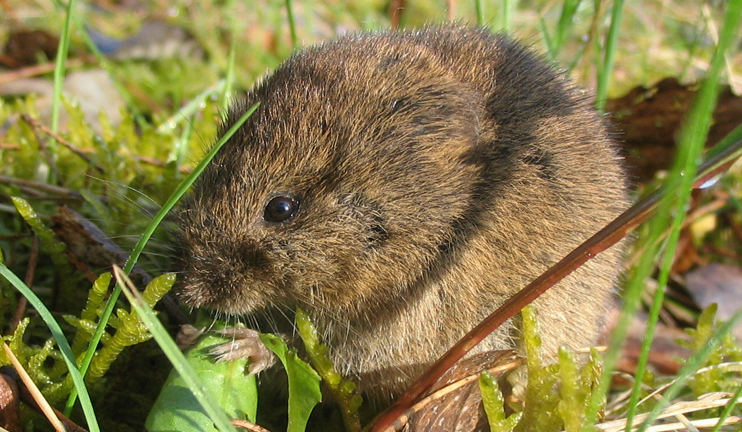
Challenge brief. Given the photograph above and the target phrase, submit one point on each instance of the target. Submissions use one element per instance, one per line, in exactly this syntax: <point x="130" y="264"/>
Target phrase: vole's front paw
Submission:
<point x="245" y="343"/>
<point x="187" y="336"/>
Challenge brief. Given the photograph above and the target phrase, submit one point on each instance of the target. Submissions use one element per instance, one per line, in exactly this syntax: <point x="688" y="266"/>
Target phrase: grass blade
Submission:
<point x="292" y="24"/>
<point x="62" y="343"/>
<point x="171" y="350"/>
<point x="681" y="180"/>
<point x="611" y="46"/>
<point x="139" y="247"/>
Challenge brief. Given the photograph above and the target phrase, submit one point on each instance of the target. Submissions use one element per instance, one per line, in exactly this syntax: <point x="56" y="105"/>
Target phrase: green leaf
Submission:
<point x="173" y="353"/>
<point x="177" y="409"/>
<point x="304" y="391"/>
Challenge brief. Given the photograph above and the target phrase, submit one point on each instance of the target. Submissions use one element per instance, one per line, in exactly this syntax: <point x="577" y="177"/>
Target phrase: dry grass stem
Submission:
<point x="678" y="409"/>
<point x="43" y="404"/>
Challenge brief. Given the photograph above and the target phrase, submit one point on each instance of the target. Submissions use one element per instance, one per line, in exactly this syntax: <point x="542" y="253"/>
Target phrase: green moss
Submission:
<point x="343" y="390"/>
<point x="557" y="395"/>
<point x="49" y="244"/>
<point x="494" y="405"/>
<point x="129" y="328"/>
<point x="541" y="400"/>
<point x="713" y="377"/>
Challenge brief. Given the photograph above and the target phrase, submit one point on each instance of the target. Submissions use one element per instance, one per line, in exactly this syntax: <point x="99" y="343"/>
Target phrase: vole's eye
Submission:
<point x="281" y="209"/>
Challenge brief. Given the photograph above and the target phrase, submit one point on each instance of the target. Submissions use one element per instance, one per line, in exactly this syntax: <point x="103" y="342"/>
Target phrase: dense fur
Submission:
<point x="438" y="172"/>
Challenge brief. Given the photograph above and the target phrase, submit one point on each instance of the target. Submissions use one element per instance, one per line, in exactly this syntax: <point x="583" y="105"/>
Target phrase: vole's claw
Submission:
<point x="187" y="336"/>
<point x="245" y="343"/>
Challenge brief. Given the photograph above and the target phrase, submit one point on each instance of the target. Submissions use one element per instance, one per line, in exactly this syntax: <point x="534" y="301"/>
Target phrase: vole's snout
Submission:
<point x="218" y="274"/>
<point x="245" y="256"/>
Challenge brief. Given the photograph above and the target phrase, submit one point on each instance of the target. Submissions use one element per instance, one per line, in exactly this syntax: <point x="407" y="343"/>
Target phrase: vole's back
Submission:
<point x="434" y="173"/>
<point x="550" y="178"/>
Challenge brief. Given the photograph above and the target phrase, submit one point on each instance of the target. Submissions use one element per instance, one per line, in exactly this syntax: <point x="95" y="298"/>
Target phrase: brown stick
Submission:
<point x="20" y="311"/>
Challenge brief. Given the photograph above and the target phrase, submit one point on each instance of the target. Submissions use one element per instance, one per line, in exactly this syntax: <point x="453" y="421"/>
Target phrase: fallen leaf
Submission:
<point x="720" y="284"/>
<point x="455" y="402"/>
<point x="649" y="120"/>
<point x="25" y="47"/>
<point x="90" y="245"/>
<point x="9" y="404"/>
<point x="665" y="354"/>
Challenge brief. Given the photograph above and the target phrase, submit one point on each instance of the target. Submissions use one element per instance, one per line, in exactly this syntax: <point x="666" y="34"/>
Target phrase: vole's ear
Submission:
<point x="468" y="128"/>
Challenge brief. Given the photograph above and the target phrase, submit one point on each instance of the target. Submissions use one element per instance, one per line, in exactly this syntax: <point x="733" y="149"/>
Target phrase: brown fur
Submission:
<point x="438" y="172"/>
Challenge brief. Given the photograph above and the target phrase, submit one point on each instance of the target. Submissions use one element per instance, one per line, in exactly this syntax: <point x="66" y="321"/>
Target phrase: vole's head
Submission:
<point x="341" y="190"/>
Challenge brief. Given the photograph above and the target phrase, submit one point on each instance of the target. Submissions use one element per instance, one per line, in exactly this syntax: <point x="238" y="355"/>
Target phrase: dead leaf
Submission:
<point x="720" y="284"/>
<point x="90" y="245"/>
<point x="650" y="118"/>
<point x="9" y="404"/>
<point x="24" y="48"/>
<point x="665" y="354"/>
<point x="455" y="403"/>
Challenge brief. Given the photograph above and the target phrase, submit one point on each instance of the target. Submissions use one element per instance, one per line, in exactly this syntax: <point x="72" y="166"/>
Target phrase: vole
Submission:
<point x="398" y="187"/>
